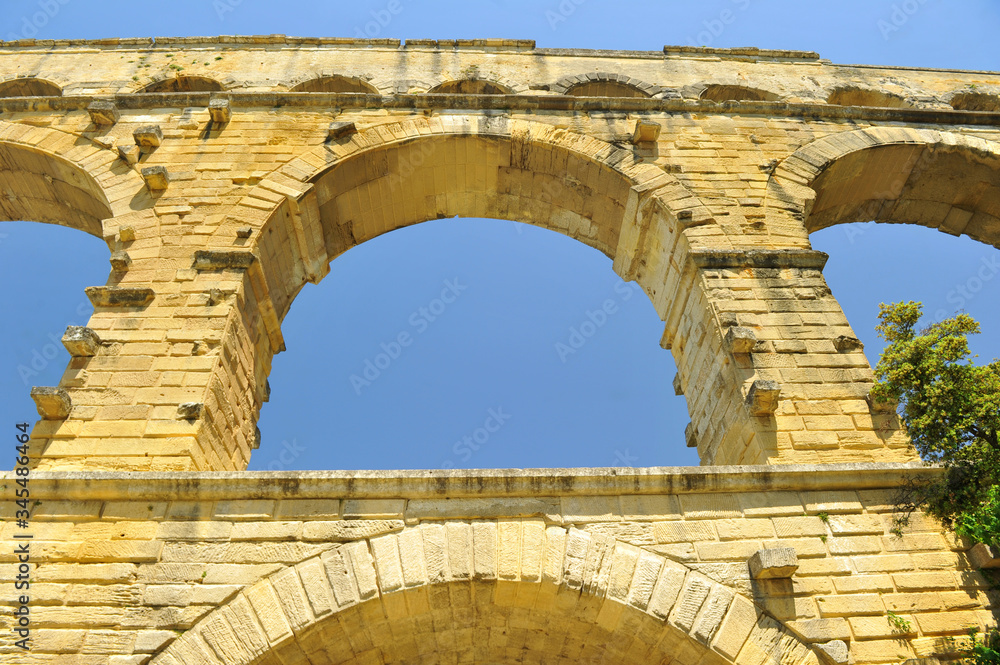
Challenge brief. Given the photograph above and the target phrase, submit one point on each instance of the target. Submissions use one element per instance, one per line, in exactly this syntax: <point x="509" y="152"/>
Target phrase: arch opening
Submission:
<point x="29" y="87"/>
<point x="502" y="336"/>
<point x="472" y="86"/>
<point x="946" y="274"/>
<point x="951" y="188"/>
<point x="184" y="84"/>
<point x="336" y="84"/>
<point x="40" y="187"/>
<point x="854" y="96"/>
<point x="606" y="88"/>
<point x="737" y="93"/>
<point x="492" y="622"/>
<point x="541" y="181"/>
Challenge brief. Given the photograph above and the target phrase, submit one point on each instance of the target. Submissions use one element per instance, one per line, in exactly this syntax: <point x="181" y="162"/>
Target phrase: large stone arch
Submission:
<point x="366" y="184"/>
<point x="57" y="178"/>
<point x="942" y="180"/>
<point x="487" y="591"/>
<point x="392" y="175"/>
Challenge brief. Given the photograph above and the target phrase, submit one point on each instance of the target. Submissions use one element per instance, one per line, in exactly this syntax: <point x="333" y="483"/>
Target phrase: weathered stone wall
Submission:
<point x="629" y="566"/>
<point x="226" y="173"/>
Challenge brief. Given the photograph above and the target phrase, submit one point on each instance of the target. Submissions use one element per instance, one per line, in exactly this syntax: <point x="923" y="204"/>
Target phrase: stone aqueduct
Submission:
<point x="225" y="173"/>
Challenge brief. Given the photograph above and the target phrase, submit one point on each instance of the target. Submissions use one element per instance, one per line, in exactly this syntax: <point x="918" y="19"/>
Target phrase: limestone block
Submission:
<point x="190" y="410"/>
<point x="120" y="261"/>
<point x="735" y="627"/>
<point x="984" y="556"/>
<point x="835" y="652"/>
<point x="157" y="178"/>
<point x="223" y="260"/>
<point x="129" y="153"/>
<point x="645" y="132"/>
<point x="846" y="344"/>
<point x="762" y="398"/>
<point x="126" y="234"/>
<point x="338" y="130"/>
<point x="81" y="342"/>
<point x="739" y="340"/>
<point x="219" y="110"/>
<point x="148" y="136"/>
<point x="52" y="403"/>
<point x="103" y="113"/>
<point x="775" y="563"/>
<point x="690" y="436"/>
<point x="348" y="530"/>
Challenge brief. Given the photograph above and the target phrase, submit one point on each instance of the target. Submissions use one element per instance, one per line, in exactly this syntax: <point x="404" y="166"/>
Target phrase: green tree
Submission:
<point x="951" y="409"/>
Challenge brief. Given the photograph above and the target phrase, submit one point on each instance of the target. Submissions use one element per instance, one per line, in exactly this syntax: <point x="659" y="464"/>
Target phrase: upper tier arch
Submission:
<point x="936" y="179"/>
<point x="402" y="173"/>
<point x="29" y="86"/>
<point x="495" y="591"/>
<point x="50" y="184"/>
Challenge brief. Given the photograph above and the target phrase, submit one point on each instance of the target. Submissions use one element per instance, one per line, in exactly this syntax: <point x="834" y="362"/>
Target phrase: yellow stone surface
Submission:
<point x="700" y="173"/>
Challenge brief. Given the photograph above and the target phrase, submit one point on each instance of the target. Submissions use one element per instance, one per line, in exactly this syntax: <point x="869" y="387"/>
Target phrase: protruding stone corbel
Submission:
<point x="126" y="234"/>
<point x="880" y="406"/>
<point x="220" y="111"/>
<point x="678" y="388"/>
<point x="739" y="340"/>
<point x="205" y="259"/>
<point x="148" y="136"/>
<point x="119" y="296"/>
<point x="845" y="344"/>
<point x="690" y="437"/>
<point x="103" y="113"/>
<point x="772" y="564"/>
<point x="157" y="178"/>
<point x="52" y="403"/>
<point x="190" y="410"/>
<point x="984" y="556"/>
<point x="340" y="129"/>
<point x="81" y="342"/>
<point x="129" y="153"/>
<point x="120" y="261"/>
<point x="762" y="398"/>
<point x="645" y="132"/>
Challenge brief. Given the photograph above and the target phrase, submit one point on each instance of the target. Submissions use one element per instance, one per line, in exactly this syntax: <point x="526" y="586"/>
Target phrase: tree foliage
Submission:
<point x="951" y="409"/>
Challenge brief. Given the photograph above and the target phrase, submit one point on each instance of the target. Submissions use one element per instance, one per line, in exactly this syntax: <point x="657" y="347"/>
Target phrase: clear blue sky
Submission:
<point x="494" y="347"/>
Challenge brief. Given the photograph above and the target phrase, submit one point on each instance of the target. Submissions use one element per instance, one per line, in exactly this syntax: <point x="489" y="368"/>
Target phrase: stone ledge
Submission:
<point x="507" y="103"/>
<point x="759" y="258"/>
<point x="143" y="486"/>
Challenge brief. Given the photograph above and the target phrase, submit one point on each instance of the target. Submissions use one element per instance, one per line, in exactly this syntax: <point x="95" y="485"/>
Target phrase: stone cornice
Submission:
<point x="478" y="483"/>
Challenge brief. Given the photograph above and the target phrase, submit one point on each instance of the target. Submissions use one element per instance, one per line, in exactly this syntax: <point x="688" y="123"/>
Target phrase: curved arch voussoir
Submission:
<point x="519" y="563"/>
